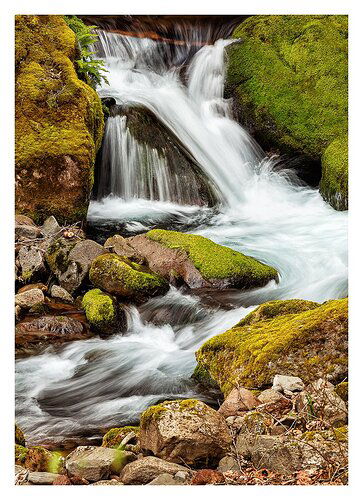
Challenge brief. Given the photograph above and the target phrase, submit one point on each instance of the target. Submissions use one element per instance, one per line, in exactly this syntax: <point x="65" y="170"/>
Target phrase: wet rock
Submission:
<point x="228" y="463"/>
<point x="199" y="262"/>
<point x="124" y="278"/>
<point x="120" y="246"/>
<point x="30" y="298"/>
<point x="57" y="292"/>
<point x="320" y="400"/>
<point x="238" y="401"/>
<point x="42" y="477"/>
<point x="208" y="476"/>
<point x="103" y="313"/>
<point x="187" y="431"/>
<point x="287" y="385"/>
<point x="146" y="469"/>
<point x="94" y="463"/>
<point x="270" y="396"/>
<point x="50" y="226"/>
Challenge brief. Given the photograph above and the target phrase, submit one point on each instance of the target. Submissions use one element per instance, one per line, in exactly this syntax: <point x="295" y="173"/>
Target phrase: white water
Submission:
<point x="85" y="386"/>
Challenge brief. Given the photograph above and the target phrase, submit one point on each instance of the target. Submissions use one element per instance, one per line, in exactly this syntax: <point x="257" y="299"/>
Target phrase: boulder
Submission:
<point x="57" y="253"/>
<point x="124" y="278"/>
<point x="320" y="400"/>
<point x="103" y="313"/>
<point x="287" y="385"/>
<point x="94" y="463"/>
<point x="199" y="262"/>
<point x="114" y="437"/>
<point x="54" y="162"/>
<point x="307" y="112"/>
<point x="238" y="402"/>
<point x="42" y="477"/>
<point x="121" y="246"/>
<point x="57" y="292"/>
<point x="251" y="355"/>
<point x="187" y="431"/>
<point x="29" y="299"/>
<point x="144" y="470"/>
<point x="31" y="263"/>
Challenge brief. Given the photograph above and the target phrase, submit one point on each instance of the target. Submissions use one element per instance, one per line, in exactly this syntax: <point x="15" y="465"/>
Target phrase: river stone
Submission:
<point x="24" y="220"/>
<point x="50" y="226"/>
<point x="164" y="479"/>
<point x="119" y="245"/>
<point x="237" y="402"/>
<point x="270" y="396"/>
<point x="228" y="463"/>
<point x="287" y="384"/>
<point x="146" y="469"/>
<point x="57" y="292"/>
<point x="31" y="261"/>
<point x="30" y="298"/>
<point x="42" y="477"/>
<point x="80" y="258"/>
<point x="94" y="463"/>
<point x="25" y="232"/>
<point x="188" y="432"/>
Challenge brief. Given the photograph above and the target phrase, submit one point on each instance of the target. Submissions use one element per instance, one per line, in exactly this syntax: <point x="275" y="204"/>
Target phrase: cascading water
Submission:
<point x="87" y="386"/>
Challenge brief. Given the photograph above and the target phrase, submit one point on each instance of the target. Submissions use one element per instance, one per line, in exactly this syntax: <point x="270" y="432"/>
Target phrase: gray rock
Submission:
<point x="228" y="463"/>
<point x="287" y="384"/>
<point x="164" y="480"/>
<point x="42" y="477"/>
<point x="146" y="469"/>
<point x="30" y="298"/>
<point x="50" y="226"/>
<point x="95" y="463"/>
<point x="31" y="263"/>
<point x="57" y="292"/>
<point x="25" y="232"/>
<point x="181" y="475"/>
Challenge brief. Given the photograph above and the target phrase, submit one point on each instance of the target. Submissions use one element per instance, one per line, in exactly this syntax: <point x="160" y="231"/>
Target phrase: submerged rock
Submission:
<point x="308" y="110"/>
<point x="252" y="355"/>
<point x="144" y="470"/>
<point x="199" y="262"/>
<point x="103" y="313"/>
<point x="186" y="431"/>
<point x="124" y="278"/>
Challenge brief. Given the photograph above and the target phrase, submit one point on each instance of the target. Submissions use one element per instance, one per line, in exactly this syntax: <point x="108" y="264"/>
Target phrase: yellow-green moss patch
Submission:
<point x="101" y="311"/>
<point x="334" y="182"/>
<point x="114" y="437"/>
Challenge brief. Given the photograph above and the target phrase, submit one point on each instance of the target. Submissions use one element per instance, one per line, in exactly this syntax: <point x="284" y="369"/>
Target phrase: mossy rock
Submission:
<point x="288" y="76"/>
<point x="310" y="344"/>
<point x="57" y="254"/>
<point x="103" y="313"/>
<point x="59" y="122"/>
<point x="274" y="308"/>
<point x="121" y="277"/>
<point x="218" y="265"/>
<point x="35" y="458"/>
<point x="114" y="437"/>
<point x="19" y="436"/>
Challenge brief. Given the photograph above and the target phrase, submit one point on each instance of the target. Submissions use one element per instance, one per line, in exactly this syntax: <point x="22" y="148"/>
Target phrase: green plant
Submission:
<point x="90" y="70"/>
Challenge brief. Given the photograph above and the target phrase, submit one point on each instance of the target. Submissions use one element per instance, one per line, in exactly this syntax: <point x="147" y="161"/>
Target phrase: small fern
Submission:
<point x="88" y="69"/>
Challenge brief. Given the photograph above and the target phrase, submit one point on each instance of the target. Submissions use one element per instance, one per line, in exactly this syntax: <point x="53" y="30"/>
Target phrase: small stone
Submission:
<point x="31" y="286"/>
<point x="228" y="463"/>
<point x="270" y="396"/>
<point x="42" y="477"/>
<point x="109" y="482"/>
<point x="24" y="232"/>
<point x="146" y="469"/>
<point x="164" y="480"/>
<point x="57" y="292"/>
<point x="28" y="299"/>
<point x="181" y="475"/>
<point x="31" y="263"/>
<point x="208" y="476"/>
<point x="24" y="220"/>
<point x="50" y="226"/>
<point x="62" y="480"/>
<point x="238" y="401"/>
<point x="287" y="384"/>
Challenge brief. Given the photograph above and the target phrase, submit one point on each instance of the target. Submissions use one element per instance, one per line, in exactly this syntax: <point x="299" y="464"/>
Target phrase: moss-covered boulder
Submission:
<point x="309" y="344"/>
<point x="199" y="262"/>
<point x="103" y="313"/>
<point x="59" y="122"/>
<point x="269" y="310"/>
<point x="35" y="458"/>
<point x="120" y="276"/>
<point x="114" y="437"/>
<point x="288" y="76"/>
<point x="19" y="436"/>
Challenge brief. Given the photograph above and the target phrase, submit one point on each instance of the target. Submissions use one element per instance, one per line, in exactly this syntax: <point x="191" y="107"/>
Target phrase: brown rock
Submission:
<point x="238" y="401"/>
<point x="146" y="469"/>
<point x="25" y="232"/>
<point x="270" y="396"/>
<point x="24" y="220"/>
<point x="62" y="480"/>
<point x="43" y="477"/>
<point x="32" y="286"/>
<point x="208" y="476"/>
<point x="185" y="431"/>
<point x="30" y="298"/>
<point x="119" y="245"/>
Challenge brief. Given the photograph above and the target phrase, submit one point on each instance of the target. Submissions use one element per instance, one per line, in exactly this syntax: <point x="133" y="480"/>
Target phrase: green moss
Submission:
<point x="153" y="413"/>
<point x="289" y="78"/>
<point x="101" y="311"/>
<point x="275" y="308"/>
<point x="334" y="182"/>
<point x="19" y="436"/>
<point x="34" y="459"/>
<point x="339" y="434"/>
<point x="342" y="390"/>
<point x="57" y="255"/>
<point x="251" y="355"/>
<point x="114" y="437"/>
<point x="215" y="261"/>
<point x="59" y="122"/>
<point x="120" y="276"/>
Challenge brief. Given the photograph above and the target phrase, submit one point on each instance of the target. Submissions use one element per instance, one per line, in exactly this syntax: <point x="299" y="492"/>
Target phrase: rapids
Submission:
<point x="78" y="391"/>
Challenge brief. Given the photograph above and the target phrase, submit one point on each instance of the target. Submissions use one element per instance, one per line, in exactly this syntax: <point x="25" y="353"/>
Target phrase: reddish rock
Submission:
<point x="208" y="476"/>
<point x="238" y="402"/>
<point x="62" y="480"/>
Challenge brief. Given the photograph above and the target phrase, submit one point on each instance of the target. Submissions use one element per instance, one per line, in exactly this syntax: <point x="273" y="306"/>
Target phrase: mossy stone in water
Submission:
<point x="334" y="182"/>
<point x="102" y="311"/>
<point x="216" y="262"/>
<point x="311" y="344"/>
<point x="119" y="276"/>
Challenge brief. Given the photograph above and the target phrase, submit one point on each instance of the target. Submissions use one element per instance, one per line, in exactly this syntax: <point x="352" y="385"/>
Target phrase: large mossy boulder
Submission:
<point x="121" y="277"/>
<point x="288" y="76"/>
<point x="103" y="313"/>
<point x="199" y="262"/>
<point x="311" y="344"/>
<point x="59" y="122"/>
